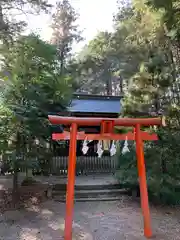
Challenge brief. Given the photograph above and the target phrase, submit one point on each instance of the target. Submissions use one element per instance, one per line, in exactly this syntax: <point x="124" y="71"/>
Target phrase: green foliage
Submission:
<point x="110" y="60"/>
<point x="32" y="89"/>
<point x="97" y="66"/>
<point x="141" y="58"/>
<point x="65" y="31"/>
<point x="127" y="171"/>
<point x="162" y="164"/>
<point x="153" y="90"/>
<point x="171" y="14"/>
<point x="28" y="181"/>
<point x="10" y="27"/>
<point x="33" y="84"/>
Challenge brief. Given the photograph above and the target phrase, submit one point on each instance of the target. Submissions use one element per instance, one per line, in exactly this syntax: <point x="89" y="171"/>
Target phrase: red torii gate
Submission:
<point x="107" y="132"/>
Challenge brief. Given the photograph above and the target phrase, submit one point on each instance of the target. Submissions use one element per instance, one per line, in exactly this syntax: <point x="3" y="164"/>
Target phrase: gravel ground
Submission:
<point x="120" y="220"/>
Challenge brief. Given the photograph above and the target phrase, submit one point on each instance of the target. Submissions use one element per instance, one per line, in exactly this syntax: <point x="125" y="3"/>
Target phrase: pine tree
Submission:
<point x="65" y="31"/>
<point x="9" y="25"/>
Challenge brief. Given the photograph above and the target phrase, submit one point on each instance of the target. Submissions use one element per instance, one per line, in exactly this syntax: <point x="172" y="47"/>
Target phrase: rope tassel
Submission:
<point x="99" y="149"/>
<point x="85" y="147"/>
<point x="113" y="149"/>
<point x="125" y="148"/>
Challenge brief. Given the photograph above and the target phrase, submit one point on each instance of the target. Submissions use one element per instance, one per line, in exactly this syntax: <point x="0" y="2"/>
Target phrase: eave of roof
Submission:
<point x="96" y="97"/>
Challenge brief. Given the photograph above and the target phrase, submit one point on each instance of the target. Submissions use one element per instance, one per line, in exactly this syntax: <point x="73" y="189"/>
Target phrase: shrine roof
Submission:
<point x="84" y="103"/>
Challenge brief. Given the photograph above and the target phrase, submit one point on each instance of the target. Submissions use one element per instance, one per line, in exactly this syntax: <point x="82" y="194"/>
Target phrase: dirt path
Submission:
<point x="92" y="221"/>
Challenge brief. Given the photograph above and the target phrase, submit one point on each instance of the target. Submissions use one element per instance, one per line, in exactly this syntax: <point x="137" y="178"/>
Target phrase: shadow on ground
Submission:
<point x="92" y="221"/>
<point x="37" y="223"/>
<point x="121" y="220"/>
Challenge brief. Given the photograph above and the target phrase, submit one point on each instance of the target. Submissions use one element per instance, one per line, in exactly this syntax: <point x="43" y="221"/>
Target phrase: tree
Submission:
<point x="111" y="59"/>
<point x="33" y="89"/>
<point x="65" y="31"/>
<point x="156" y="86"/>
<point x="171" y="18"/>
<point x="9" y="26"/>
<point x="153" y="89"/>
<point x="33" y="86"/>
<point x="143" y="50"/>
<point x="98" y="66"/>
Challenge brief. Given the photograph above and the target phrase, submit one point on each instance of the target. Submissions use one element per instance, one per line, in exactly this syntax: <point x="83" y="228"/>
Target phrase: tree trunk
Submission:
<point x="121" y="84"/>
<point x="15" y="196"/>
<point x="108" y="83"/>
<point x="61" y="59"/>
<point x="163" y="165"/>
<point x="3" y="25"/>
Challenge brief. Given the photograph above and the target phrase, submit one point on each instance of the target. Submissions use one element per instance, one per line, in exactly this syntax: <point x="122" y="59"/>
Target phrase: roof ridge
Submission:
<point x="96" y="97"/>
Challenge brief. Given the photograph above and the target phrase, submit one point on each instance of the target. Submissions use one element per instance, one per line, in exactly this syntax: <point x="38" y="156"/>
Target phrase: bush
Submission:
<point x="162" y="159"/>
<point x="29" y="181"/>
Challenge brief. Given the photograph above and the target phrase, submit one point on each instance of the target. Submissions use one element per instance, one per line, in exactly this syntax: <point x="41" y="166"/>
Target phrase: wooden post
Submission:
<point x="70" y="183"/>
<point x="142" y="182"/>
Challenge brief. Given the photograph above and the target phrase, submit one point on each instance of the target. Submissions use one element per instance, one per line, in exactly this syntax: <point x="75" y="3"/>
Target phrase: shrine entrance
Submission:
<point x="107" y="132"/>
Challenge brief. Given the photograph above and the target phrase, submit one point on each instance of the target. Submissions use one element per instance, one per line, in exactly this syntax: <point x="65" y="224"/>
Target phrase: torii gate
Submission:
<point x="107" y="132"/>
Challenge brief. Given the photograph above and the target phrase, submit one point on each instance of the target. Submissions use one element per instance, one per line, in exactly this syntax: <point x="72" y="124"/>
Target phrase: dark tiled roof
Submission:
<point x="95" y="104"/>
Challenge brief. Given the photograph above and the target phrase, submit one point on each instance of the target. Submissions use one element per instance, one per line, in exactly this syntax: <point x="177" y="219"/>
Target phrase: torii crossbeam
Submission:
<point x="107" y="132"/>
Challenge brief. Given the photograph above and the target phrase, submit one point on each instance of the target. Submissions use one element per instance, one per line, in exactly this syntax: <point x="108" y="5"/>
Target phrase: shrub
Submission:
<point x="162" y="160"/>
<point x="29" y="181"/>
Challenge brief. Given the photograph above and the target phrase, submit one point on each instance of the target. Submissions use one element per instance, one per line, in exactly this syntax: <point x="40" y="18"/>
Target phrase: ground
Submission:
<point x="102" y="179"/>
<point x="120" y="220"/>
